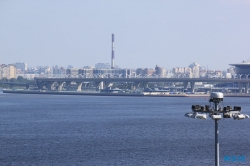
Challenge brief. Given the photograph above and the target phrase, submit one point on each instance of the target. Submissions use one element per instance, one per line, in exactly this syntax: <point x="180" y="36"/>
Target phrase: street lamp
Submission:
<point x="216" y="112"/>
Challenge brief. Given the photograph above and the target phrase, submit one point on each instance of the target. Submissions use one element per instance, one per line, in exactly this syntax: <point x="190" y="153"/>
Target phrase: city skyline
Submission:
<point x="169" y="34"/>
<point x="101" y="65"/>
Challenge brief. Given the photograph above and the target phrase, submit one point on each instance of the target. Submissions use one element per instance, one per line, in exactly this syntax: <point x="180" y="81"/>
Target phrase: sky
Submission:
<point x="167" y="33"/>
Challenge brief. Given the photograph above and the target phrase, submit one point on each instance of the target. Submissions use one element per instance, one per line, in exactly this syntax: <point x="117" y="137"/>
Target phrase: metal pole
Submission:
<point x="113" y="52"/>
<point x="216" y="140"/>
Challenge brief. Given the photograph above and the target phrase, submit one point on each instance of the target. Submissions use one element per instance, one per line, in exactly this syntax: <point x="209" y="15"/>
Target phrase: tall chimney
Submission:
<point x="113" y="52"/>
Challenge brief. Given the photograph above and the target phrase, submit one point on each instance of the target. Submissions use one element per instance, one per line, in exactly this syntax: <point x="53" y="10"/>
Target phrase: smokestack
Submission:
<point x="113" y="52"/>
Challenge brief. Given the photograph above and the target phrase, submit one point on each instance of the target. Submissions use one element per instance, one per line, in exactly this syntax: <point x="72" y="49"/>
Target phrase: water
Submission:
<point x="92" y="130"/>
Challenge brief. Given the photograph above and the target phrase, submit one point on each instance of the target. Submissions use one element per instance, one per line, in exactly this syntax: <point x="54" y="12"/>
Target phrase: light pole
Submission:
<point x="215" y="111"/>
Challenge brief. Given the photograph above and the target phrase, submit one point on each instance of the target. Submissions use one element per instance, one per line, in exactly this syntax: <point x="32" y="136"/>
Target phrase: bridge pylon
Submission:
<point x="192" y="86"/>
<point x="60" y="85"/>
<point x="246" y="87"/>
<point x="240" y="86"/>
<point x="79" y="86"/>
<point x="185" y="85"/>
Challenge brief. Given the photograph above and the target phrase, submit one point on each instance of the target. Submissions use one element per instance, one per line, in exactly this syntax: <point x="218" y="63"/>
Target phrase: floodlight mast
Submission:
<point x="215" y="113"/>
<point x="216" y="98"/>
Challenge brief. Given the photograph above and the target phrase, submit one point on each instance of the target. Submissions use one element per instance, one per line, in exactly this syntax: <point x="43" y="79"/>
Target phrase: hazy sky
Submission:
<point x="168" y="33"/>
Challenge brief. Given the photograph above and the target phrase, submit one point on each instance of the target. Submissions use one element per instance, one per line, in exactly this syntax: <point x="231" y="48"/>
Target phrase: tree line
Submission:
<point x="19" y="79"/>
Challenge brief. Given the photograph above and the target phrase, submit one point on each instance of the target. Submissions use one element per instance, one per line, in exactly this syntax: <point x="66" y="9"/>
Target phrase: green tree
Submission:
<point x="4" y="79"/>
<point x="13" y="80"/>
<point x="21" y="79"/>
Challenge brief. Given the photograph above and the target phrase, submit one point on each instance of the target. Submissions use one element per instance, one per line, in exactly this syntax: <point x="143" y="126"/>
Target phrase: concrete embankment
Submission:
<point x="68" y="93"/>
<point x="91" y="93"/>
<point x="114" y="94"/>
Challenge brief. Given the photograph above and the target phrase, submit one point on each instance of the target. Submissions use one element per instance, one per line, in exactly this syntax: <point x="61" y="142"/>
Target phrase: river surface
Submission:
<point x="100" y="130"/>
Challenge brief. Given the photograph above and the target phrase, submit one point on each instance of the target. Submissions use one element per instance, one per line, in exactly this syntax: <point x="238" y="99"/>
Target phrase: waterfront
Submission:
<point x="108" y="130"/>
<point x="142" y="94"/>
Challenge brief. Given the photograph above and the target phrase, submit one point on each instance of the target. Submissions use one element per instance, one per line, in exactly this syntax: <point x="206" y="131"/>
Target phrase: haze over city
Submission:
<point x="147" y="33"/>
<point x="124" y="82"/>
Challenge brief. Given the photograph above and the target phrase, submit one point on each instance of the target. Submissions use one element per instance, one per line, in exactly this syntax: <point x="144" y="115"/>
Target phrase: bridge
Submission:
<point x="18" y="84"/>
<point x="60" y="83"/>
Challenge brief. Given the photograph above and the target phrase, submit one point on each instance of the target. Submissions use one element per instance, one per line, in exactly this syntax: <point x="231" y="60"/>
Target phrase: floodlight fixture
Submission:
<point x="196" y="108"/>
<point x="237" y="108"/>
<point x="189" y="114"/>
<point x="201" y="116"/>
<point x="207" y="107"/>
<point x="227" y="108"/>
<point x="216" y="112"/>
<point x="227" y="115"/>
<point x="240" y="116"/>
<point x="216" y="117"/>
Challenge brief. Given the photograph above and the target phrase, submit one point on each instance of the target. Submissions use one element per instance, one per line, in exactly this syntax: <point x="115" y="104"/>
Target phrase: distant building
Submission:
<point x="149" y="72"/>
<point x="28" y="76"/>
<point x="196" y="70"/>
<point x="119" y="73"/>
<point x="218" y="72"/>
<point x="203" y="73"/>
<point x="86" y="72"/>
<point x="55" y="70"/>
<point x="102" y="66"/>
<point x="88" y="67"/>
<point x="144" y="72"/>
<point x="160" y="71"/>
<point x="41" y="70"/>
<point x="47" y="70"/>
<point x="182" y="72"/>
<point x="62" y="71"/>
<point x="58" y="70"/>
<point x="242" y="69"/>
<point x="177" y="70"/>
<point x="7" y="71"/>
<point x="192" y="71"/>
<point x="228" y="75"/>
<point x="231" y="70"/>
<point x="72" y="71"/>
<point x="139" y="71"/>
<point x="21" y="66"/>
<point x="19" y="71"/>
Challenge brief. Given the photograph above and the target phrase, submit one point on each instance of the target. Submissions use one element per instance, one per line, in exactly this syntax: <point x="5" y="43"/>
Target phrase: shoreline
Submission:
<point x="114" y="94"/>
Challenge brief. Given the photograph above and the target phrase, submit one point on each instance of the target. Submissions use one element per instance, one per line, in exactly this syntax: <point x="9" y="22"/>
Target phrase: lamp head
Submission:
<point x="216" y="97"/>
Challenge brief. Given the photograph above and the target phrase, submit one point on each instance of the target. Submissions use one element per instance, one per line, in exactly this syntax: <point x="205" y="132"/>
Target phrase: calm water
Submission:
<point x="86" y="130"/>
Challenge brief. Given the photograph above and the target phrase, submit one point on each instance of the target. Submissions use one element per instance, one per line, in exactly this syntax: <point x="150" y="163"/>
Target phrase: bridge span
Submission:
<point x="17" y="84"/>
<point x="61" y="83"/>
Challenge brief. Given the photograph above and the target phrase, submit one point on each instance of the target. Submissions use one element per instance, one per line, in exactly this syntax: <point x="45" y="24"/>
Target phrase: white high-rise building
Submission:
<point x="196" y="69"/>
